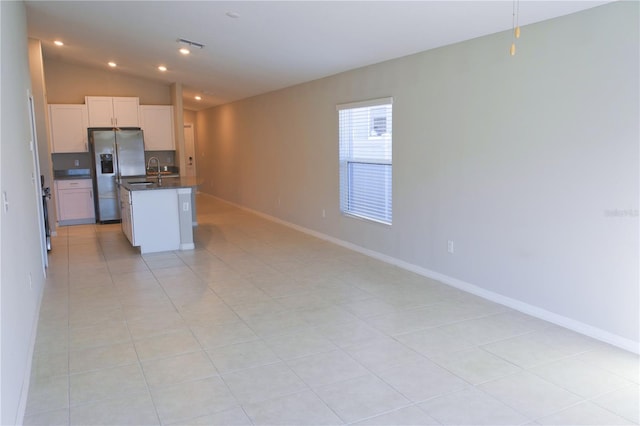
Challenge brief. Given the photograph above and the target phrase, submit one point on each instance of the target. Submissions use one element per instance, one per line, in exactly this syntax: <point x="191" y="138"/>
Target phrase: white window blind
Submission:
<point x="365" y="159"/>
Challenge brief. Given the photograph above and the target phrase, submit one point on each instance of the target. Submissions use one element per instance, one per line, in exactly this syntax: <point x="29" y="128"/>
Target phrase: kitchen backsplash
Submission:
<point x="82" y="160"/>
<point x="71" y="160"/>
<point x="167" y="158"/>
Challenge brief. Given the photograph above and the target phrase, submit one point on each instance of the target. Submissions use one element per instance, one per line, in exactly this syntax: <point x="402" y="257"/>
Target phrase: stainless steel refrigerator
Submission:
<point x="116" y="154"/>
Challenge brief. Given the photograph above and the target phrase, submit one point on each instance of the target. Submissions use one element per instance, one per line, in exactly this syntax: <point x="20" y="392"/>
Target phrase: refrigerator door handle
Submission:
<point x="117" y="165"/>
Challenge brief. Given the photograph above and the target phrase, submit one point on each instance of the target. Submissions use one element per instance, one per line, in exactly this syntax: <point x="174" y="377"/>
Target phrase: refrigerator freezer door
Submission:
<point x="106" y="169"/>
<point x="130" y="153"/>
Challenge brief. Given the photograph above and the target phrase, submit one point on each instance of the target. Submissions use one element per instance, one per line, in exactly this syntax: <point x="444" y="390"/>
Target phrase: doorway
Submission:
<point x="189" y="150"/>
<point x="45" y="242"/>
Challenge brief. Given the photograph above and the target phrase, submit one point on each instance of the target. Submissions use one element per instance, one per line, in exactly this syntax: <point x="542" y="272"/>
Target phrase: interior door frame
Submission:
<point x="192" y="142"/>
<point x="35" y="176"/>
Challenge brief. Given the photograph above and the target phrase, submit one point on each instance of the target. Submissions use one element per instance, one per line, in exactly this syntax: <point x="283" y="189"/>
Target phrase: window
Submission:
<point x="378" y="121"/>
<point x="365" y="159"/>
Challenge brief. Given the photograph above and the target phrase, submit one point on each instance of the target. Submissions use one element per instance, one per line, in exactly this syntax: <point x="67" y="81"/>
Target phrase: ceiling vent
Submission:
<point x="191" y="43"/>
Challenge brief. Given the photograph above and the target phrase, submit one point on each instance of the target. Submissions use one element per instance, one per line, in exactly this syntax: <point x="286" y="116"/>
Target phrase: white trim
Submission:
<point x="535" y="311"/>
<point x="87" y="221"/>
<point x="26" y="382"/>
<point x="187" y="246"/>
<point x="367" y="103"/>
<point x="365" y="218"/>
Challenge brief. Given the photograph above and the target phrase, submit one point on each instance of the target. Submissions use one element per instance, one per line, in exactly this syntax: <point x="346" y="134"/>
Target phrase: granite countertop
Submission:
<point x="167" y="183"/>
<point x="163" y="174"/>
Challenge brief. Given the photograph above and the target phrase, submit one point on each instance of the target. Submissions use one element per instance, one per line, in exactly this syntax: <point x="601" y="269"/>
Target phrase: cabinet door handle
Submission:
<point x="73" y="183"/>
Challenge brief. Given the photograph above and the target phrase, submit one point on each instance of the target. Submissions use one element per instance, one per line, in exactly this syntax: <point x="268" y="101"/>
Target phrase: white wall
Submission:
<point x="19" y="229"/>
<point x="519" y="160"/>
<point x="38" y="87"/>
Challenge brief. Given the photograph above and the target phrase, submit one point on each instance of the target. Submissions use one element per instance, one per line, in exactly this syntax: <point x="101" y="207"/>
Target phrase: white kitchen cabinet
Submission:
<point x="126" y="214"/>
<point x="68" y="128"/>
<point x="151" y="218"/>
<point x="156" y="122"/>
<point x="74" y="201"/>
<point x="106" y="111"/>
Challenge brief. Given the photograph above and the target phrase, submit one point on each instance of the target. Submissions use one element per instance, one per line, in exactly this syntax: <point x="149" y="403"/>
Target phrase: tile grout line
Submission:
<point x="251" y="236"/>
<point x="140" y="366"/>
<point x="68" y="329"/>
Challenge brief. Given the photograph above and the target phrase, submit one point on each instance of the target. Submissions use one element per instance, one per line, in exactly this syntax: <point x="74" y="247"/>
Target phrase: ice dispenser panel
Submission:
<point x="106" y="163"/>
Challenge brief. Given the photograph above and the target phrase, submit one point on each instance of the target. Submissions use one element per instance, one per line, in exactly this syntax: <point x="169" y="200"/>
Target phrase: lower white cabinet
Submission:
<point x="126" y="214"/>
<point x="74" y="201"/>
<point x="154" y="219"/>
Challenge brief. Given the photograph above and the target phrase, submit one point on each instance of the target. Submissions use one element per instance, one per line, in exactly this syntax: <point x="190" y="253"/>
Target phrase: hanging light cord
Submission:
<point x="515" y="25"/>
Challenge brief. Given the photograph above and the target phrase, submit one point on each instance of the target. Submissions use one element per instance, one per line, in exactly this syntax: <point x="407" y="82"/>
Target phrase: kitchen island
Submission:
<point x="158" y="215"/>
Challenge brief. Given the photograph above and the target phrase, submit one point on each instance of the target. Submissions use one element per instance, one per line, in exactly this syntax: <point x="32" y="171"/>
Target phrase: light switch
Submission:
<point x="5" y="202"/>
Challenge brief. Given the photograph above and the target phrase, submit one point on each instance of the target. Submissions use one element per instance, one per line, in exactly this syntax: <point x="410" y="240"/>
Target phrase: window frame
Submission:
<point x="346" y="161"/>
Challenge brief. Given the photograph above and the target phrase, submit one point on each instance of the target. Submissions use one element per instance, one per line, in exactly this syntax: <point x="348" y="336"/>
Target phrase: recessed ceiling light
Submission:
<point x="184" y="51"/>
<point x="197" y="98"/>
<point x="162" y="68"/>
<point x="58" y="43"/>
<point x="112" y="64"/>
<point x="233" y="14"/>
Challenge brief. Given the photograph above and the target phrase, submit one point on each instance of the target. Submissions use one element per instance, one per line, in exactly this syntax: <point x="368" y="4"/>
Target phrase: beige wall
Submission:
<point x="519" y="160"/>
<point x="38" y="87"/>
<point x="21" y="271"/>
<point x="189" y="116"/>
<point x="69" y="83"/>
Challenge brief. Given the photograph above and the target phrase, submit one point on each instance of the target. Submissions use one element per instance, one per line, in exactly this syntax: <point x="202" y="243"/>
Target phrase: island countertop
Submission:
<point x="167" y="183"/>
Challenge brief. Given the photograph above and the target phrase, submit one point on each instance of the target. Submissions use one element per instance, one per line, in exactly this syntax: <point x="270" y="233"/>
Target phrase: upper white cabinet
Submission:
<point x="105" y="111"/>
<point x="156" y="122"/>
<point x="68" y="127"/>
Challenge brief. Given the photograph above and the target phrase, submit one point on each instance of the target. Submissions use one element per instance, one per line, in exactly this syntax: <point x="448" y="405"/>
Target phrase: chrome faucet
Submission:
<point x="158" y="164"/>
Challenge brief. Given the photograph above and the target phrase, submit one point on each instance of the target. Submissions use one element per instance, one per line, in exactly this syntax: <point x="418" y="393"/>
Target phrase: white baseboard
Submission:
<point x="76" y="222"/>
<point x="518" y="305"/>
<point x="187" y="246"/>
<point x="24" y="392"/>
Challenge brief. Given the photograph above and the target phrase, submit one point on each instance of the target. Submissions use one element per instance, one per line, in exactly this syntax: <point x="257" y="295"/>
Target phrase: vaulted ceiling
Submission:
<point x="253" y="47"/>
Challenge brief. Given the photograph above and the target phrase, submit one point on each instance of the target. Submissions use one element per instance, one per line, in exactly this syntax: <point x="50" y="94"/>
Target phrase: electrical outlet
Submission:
<point x="185" y="206"/>
<point x="450" y="246"/>
<point x="76" y="163"/>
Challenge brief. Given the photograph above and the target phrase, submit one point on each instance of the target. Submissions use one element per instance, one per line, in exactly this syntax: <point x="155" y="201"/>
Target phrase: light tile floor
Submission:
<point x="265" y="325"/>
